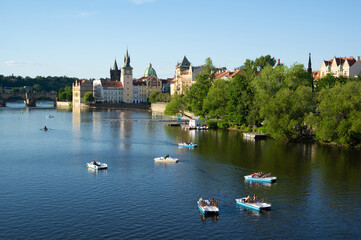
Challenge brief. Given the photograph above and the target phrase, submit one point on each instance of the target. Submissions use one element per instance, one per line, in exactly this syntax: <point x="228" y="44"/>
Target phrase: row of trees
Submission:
<point x="38" y="84"/>
<point x="277" y="100"/>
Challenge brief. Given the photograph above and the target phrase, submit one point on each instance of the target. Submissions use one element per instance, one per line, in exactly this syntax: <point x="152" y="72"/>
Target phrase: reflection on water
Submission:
<point x="206" y="217"/>
<point x="316" y="195"/>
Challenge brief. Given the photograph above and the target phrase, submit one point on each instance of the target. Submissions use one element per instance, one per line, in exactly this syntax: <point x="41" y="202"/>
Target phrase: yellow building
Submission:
<point x="80" y="87"/>
<point x="185" y="75"/>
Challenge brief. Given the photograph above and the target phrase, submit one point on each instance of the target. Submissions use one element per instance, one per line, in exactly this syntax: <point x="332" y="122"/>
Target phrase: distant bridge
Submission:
<point x="29" y="98"/>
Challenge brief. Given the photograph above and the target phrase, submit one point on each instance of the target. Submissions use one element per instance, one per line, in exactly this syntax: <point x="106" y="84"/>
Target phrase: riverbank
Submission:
<point x="120" y="106"/>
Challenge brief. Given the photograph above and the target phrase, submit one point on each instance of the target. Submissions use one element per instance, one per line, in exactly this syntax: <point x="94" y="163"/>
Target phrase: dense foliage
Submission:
<point x="39" y="84"/>
<point x="88" y="97"/>
<point x="65" y="94"/>
<point x="158" y="96"/>
<point x="277" y="100"/>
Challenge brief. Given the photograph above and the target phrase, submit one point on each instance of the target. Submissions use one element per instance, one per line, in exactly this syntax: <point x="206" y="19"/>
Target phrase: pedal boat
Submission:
<point x="98" y="166"/>
<point x="206" y="208"/>
<point x="256" y="179"/>
<point x="166" y="159"/>
<point x="257" y="206"/>
<point x="187" y="144"/>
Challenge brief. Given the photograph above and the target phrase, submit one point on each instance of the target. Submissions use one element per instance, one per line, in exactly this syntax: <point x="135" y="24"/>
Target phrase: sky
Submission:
<point x="82" y="38"/>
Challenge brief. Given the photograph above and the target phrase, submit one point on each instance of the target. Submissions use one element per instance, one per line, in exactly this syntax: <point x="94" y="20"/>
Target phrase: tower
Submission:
<point x="309" y="69"/>
<point x="115" y="72"/>
<point x="127" y="80"/>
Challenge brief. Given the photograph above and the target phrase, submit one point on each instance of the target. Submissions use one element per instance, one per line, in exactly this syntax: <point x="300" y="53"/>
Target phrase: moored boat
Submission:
<point x="187" y="144"/>
<point x="166" y="159"/>
<point x="267" y="178"/>
<point x="97" y="165"/>
<point x="207" y="206"/>
<point x="253" y="205"/>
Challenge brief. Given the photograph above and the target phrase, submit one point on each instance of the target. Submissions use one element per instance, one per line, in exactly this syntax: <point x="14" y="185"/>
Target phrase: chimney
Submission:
<point x="358" y="58"/>
<point x="278" y="62"/>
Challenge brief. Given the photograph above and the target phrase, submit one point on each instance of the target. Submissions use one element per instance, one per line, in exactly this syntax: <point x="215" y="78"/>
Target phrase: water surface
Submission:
<point x="46" y="191"/>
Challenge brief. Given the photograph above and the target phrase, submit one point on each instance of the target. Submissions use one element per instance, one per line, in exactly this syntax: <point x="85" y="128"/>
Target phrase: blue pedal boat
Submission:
<point x="257" y="206"/>
<point x="261" y="179"/>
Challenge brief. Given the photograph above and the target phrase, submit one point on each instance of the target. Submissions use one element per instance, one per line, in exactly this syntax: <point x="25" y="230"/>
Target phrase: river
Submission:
<point x="46" y="191"/>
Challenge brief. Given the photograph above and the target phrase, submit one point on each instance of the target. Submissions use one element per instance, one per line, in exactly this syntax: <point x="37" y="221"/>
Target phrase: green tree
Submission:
<point x="285" y="112"/>
<point x="216" y="100"/>
<point x="176" y="106"/>
<point x="154" y="96"/>
<point x="240" y="105"/>
<point x="338" y="115"/>
<point x="37" y="88"/>
<point x="208" y="68"/>
<point x="197" y="93"/>
<point x="88" y="97"/>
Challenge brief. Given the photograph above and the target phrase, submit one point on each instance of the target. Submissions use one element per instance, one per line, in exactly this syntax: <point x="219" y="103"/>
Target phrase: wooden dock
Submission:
<point x="255" y="136"/>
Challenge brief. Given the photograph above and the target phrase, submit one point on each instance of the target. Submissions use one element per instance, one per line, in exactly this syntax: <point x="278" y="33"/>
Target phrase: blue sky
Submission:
<point x="81" y="38"/>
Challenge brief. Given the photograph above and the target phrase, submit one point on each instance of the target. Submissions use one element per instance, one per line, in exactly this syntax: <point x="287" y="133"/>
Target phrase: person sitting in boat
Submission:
<point x="45" y="128"/>
<point x="266" y="175"/>
<point x="248" y="199"/>
<point x="166" y="156"/>
<point x="95" y="163"/>
<point x="255" y="198"/>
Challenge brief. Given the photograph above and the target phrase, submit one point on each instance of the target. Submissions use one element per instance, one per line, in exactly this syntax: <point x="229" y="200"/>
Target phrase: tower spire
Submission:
<point x="127" y="60"/>
<point x="309" y="69"/>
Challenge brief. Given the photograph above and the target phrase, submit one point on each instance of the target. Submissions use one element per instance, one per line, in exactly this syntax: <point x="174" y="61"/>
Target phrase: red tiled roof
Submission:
<point x="229" y="74"/>
<point x="316" y="75"/>
<point x="339" y="61"/>
<point x="112" y="84"/>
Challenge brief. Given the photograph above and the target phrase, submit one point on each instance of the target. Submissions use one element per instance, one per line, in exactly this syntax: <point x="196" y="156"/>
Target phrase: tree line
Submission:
<point x="277" y="100"/>
<point x="38" y="84"/>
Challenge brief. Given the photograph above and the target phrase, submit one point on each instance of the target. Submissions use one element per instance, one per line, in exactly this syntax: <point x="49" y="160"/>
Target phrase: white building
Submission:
<point x="108" y="91"/>
<point x="348" y="67"/>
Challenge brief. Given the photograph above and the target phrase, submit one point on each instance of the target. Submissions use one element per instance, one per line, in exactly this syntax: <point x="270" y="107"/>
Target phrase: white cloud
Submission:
<point x="17" y="63"/>
<point x="142" y="1"/>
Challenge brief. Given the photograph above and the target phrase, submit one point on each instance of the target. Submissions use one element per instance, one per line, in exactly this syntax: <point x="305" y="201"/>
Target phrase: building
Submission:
<point x="115" y="72"/>
<point x="108" y="91"/>
<point x="185" y="75"/>
<point x="348" y="67"/>
<point x="149" y="82"/>
<point x="80" y="87"/>
<point x="166" y="85"/>
<point x="227" y="74"/>
<point x="127" y="80"/>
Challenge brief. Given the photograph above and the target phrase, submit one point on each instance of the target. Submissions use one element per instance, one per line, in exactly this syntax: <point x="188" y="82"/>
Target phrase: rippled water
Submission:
<point x="46" y="191"/>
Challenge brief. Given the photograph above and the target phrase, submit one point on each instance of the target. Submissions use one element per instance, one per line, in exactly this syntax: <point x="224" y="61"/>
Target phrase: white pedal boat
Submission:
<point x="207" y="207"/>
<point x="256" y="179"/>
<point x="97" y="166"/>
<point x="257" y="206"/>
<point x="166" y="159"/>
<point x="187" y="144"/>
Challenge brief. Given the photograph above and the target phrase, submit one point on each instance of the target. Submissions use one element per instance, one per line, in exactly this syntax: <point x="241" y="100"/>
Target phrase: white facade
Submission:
<point x="98" y="91"/>
<point x="348" y="67"/>
<point x="108" y="91"/>
<point x="195" y="123"/>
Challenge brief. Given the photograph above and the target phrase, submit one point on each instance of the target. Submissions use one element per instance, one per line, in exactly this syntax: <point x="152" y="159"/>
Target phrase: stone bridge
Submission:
<point x="29" y="98"/>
